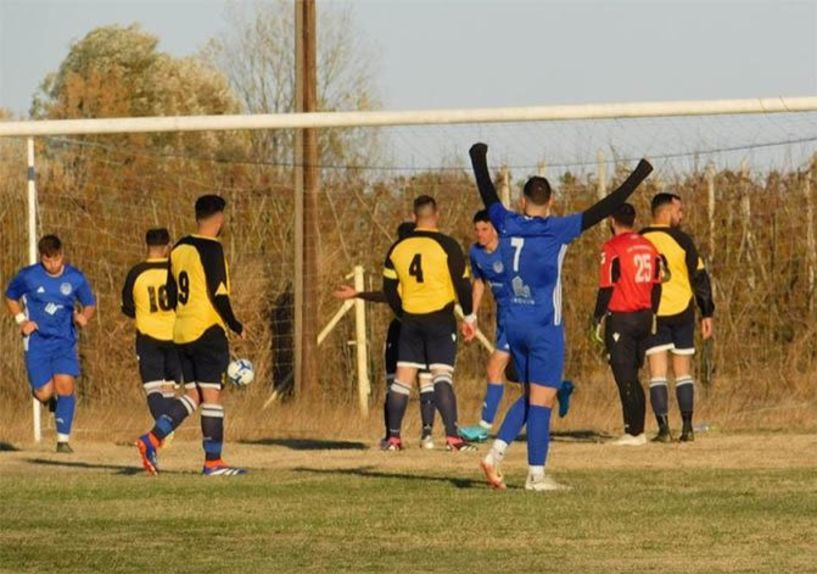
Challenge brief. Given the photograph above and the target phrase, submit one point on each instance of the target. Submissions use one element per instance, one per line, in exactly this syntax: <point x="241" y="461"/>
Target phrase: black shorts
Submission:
<point x="428" y="342"/>
<point x="626" y="337"/>
<point x="392" y="344"/>
<point x="205" y="359"/>
<point x="158" y="360"/>
<point x="674" y="333"/>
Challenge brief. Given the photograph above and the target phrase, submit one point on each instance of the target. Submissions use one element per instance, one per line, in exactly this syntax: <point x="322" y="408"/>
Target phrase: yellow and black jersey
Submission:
<point x="199" y="287"/>
<point x="145" y="298"/>
<point x="425" y="274"/>
<point x="685" y="275"/>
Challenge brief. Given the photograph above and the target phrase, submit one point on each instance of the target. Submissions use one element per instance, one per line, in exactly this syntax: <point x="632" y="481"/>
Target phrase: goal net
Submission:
<point x="746" y="181"/>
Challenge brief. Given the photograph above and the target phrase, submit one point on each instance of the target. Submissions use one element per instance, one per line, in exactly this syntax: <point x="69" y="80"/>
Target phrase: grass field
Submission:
<point x="728" y="503"/>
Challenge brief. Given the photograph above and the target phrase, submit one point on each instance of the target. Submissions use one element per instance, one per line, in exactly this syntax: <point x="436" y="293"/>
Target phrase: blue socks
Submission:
<point x="538" y="434"/>
<point x="493" y="396"/>
<point x="212" y="429"/>
<point x="515" y="419"/>
<point x="64" y="415"/>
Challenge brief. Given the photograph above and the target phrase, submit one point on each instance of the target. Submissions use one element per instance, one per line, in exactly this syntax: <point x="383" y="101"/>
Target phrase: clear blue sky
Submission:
<point x="459" y="53"/>
<point x="471" y="53"/>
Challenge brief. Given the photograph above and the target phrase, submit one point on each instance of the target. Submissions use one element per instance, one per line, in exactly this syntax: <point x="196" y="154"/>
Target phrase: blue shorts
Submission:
<point x="46" y="358"/>
<point x="538" y="353"/>
<point x="501" y="343"/>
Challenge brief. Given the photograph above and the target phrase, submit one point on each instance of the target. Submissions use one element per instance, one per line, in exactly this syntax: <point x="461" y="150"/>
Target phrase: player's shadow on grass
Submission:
<point x="8" y="447"/>
<point x="119" y="469"/>
<point x="367" y="472"/>
<point x="588" y="436"/>
<point x="308" y="443"/>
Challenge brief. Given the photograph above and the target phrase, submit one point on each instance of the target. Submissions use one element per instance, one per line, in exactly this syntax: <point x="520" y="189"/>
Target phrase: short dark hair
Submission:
<point x="209" y="205"/>
<point x="49" y="246"/>
<point x="405" y="229"/>
<point x="482" y="215"/>
<point x="537" y="190"/>
<point x="424" y="203"/>
<point x="157" y="237"/>
<point x="659" y="200"/>
<point x="625" y="215"/>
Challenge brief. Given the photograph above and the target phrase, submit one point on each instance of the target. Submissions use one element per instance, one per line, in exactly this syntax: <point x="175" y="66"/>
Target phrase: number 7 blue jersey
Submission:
<point x="533" y="251"/>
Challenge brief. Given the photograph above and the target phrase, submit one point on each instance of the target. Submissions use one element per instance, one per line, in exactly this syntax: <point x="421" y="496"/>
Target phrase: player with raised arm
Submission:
<point x="628" y="298"/>
<point x="687" y="282"/>
<point x="487" y="267"/>
<point x="533" y="246"/>
<point x="198" y="287"/>
<point x="424" y="276"/>
<point x="390" y="360"/>
<point x="145" y="299"/>
<point x="43" y="299"/>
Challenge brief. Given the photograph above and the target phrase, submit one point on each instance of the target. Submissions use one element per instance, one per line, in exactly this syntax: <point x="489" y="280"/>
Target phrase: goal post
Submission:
<point x="376" y="198"/>
<point x="407" y="118"/>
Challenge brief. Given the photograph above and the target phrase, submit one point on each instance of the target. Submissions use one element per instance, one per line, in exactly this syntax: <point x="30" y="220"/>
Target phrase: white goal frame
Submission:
<point x="316" y="120"/>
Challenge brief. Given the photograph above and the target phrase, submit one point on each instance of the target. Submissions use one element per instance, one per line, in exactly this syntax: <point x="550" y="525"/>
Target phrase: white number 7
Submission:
<point x="517" y="243"/>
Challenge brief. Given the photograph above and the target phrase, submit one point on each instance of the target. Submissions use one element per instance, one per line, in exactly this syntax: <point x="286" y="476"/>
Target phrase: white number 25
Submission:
<point x="643" y="266"/>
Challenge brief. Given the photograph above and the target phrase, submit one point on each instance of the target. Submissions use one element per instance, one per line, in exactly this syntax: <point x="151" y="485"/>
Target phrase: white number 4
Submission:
<point x="517" y="243"/>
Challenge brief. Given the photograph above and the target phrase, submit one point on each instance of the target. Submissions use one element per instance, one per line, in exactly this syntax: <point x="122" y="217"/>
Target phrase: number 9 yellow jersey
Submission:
<point x="199" y="271"/>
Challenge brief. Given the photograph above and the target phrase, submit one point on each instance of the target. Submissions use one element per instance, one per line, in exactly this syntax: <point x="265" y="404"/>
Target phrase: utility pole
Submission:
<point x="306" y="203"/>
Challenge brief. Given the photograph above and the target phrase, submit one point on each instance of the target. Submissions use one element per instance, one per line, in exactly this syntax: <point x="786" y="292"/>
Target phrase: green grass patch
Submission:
<point x="377" y="519"/>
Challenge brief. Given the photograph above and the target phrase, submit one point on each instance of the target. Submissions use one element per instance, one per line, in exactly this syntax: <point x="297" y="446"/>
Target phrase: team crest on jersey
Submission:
<point x="498" y="267"/>
<point x="65" y="288"/>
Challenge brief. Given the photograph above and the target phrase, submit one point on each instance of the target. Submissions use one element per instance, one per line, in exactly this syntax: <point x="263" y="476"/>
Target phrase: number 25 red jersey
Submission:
<point x="630" y="265"/>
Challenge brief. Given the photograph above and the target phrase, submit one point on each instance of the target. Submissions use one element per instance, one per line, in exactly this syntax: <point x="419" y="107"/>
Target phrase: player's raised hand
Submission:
<point x="479" y="149"/>
<point x="28" y="327"/>
<point x="345" y="292"/>
<point x="80" y="319"/>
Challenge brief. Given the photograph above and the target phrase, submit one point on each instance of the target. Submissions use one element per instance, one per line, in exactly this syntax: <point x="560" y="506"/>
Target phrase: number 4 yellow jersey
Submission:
<point x="429" y="268"/>
<point x="145" y="298"/>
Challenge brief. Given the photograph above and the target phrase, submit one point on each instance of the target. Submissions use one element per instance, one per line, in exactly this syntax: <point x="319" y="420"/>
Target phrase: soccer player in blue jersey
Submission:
<point x="533" y="246"/>
<point x="487" y="270"/>
<point x="43" y="299"/>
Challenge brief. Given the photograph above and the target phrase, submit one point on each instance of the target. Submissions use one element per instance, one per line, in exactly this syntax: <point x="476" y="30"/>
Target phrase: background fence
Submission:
<point x="749" y="199"/>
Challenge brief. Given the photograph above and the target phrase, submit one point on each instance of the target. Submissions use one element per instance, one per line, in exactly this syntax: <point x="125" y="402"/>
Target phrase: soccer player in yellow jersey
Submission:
<point x="685" y="282"/>
<point x="423" y="277"/>
<point x="145" y="299"/>
<point x="198" y="287"/>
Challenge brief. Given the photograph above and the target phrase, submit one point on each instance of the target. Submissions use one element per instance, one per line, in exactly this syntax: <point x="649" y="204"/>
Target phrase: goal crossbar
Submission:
<point x="32" y="128"/>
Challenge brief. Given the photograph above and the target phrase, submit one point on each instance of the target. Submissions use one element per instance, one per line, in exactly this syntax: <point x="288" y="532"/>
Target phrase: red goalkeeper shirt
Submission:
<point x="630" y="265"/>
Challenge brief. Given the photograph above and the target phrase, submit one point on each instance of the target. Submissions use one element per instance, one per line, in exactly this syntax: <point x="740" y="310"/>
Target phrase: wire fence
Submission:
<point x="751" y="215"/>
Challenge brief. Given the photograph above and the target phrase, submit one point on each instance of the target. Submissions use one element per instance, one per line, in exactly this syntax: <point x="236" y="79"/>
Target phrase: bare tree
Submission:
<point x="257" y="54"/>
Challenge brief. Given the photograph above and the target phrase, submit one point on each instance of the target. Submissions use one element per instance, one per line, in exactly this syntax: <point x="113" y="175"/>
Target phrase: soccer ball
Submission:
<point x="240" y="372"/>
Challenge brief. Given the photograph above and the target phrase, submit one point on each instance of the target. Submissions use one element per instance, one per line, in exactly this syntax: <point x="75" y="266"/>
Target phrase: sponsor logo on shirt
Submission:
<point x="52" y="308"/>
<point x="520" y="290"/>
<point x="40" y="289"/>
